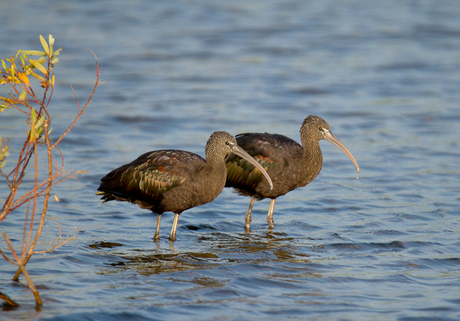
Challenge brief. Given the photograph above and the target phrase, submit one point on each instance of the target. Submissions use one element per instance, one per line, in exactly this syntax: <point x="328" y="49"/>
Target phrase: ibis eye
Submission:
<point x="227" y="143"/>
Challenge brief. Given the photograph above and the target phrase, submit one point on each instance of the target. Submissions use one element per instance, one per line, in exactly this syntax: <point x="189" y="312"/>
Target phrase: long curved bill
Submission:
<point x="237" y="150"/>
<point x="334" y="140"/>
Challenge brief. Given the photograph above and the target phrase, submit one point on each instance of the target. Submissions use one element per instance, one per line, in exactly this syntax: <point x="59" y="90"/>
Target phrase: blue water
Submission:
<point x="381" y="245"/>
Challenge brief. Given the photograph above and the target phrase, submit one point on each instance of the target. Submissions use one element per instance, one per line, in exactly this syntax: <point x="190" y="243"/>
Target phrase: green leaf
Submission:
<point x="33" y="52"/>
<point x="38" y="66"/>
<point x="4" y="65"/>
<point x="33" y="115"/>
<point x="3" y="151"/>
<point x="12" y="72"/>
<point x="57" y="52"/>
<point x="45" y="45"/>
<point x="33" y="119"/>
<point x="41" y="60"/>
<point x="22" y="96"/>
<point x="22" y="60"/>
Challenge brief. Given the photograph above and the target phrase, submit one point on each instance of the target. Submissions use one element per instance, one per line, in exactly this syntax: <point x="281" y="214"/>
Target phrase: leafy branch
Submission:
<point x="19" y="72"/>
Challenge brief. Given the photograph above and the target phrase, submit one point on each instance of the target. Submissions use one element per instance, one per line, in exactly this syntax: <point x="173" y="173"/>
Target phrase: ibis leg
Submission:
<point x="271" y="224"/>
<point x="172" y="236"/>
<point x="156" y="237"/>
<point x="247" y="218"/>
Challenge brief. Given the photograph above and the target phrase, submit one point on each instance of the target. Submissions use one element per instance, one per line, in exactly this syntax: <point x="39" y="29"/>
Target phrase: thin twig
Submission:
<point x="55" y="246"/>
<point x="26" y="197"/>
<point x="7" y="258"/>
<point x="34" y="198"/>
<point x="47" y="193"/>
<point x="81" y="110"/>
<point x="24" y="232"/>
<point x="8" y="300"/>
<point x="10" y="246"/>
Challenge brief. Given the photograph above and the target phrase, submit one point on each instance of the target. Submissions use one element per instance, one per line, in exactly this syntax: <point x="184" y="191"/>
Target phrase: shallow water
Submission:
<point x="383" y="246"/>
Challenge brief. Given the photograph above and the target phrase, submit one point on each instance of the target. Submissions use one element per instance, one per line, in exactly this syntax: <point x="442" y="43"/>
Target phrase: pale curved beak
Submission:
<point x="237" y="150"/>
<point x="334" y="140"/>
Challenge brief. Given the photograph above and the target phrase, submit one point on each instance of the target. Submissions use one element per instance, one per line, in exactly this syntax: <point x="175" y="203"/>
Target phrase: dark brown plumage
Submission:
<point x="173" y="180"/>
<point x="289" y="164"/>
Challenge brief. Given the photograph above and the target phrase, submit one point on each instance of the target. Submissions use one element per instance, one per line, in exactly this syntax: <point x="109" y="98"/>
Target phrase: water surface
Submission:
<point x="381" y="245"/>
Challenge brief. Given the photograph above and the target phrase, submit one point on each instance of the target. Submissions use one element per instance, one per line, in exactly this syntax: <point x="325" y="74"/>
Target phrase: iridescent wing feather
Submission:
<point x="268" y="149"/>
<point x="151" y="175"/>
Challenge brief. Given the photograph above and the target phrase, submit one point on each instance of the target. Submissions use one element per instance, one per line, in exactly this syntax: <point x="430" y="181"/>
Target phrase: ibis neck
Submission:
<point x="312" y="158"/>
<point x="215" y="175"/>
<point x="215" y="166"/>
<point x="214" y="163"/>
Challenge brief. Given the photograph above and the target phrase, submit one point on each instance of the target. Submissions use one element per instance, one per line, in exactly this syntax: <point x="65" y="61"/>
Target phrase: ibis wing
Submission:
<point x="151" y="175"/>
<point x="268" y="149"/>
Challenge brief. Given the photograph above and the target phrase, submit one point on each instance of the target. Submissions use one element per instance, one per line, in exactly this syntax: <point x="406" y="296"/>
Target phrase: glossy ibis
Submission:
<point x="289" y="164"/>
<point x="174" y="180"/>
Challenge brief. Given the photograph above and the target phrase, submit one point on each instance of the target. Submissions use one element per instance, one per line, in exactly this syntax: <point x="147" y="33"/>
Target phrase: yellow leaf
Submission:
<point x="4" y="65"/>
<point x="38" y="66"/>
<point x="33" y="52"/>
<point x="44" y="84"/>
<point x="35" y="75"/>
<point x="56" y="198"/>
<point x="51" y="42"/>
<point x="23" y="78"/>
<point x="52" y="80"/>
<point x="45" y="45"/>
